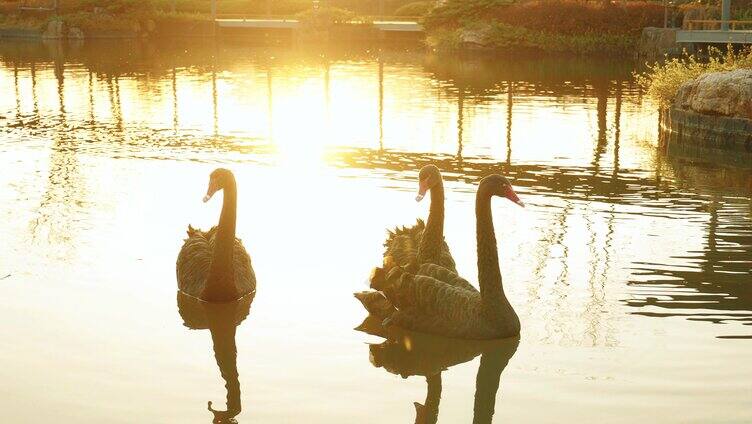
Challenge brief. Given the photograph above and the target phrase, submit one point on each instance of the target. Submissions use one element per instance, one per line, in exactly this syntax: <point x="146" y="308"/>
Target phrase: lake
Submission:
<point x="630" y="269"/>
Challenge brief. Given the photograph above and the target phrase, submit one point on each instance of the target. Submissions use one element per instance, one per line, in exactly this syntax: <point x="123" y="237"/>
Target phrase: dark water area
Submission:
<point x="630" y="268"/>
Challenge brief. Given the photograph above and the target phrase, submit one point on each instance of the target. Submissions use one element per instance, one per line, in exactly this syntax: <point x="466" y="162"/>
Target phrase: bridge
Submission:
<point x="381" y="23"/>
<point x="723" y="31"/>
<point x="716" y="32"/>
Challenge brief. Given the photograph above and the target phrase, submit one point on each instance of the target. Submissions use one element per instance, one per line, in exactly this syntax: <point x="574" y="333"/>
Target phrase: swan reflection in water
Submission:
<point x="408" y="353"/>
<point x="221" y="319"/>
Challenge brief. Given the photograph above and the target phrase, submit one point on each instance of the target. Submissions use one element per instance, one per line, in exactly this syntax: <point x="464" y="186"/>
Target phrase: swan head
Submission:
<point x="219" y="179"/>
<point x="497" y="185"/>
<point x="428" y="177"/>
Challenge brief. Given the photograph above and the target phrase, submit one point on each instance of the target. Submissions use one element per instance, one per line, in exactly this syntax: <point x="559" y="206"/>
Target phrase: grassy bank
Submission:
<point x="662" y="80"/>
<point x="557" y="25"/>
<point x="142" y="17"/>
<point x="566" y="26"/>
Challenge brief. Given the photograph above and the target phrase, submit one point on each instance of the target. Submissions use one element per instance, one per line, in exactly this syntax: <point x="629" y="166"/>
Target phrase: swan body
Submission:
<point x="213" y="265"/>
<point x="195" y="258"/>
<point x="434" y="299"/>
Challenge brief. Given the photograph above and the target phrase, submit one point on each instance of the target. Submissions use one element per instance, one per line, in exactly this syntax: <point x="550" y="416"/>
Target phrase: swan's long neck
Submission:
<point x="433" y="236"/>
<point x="221" y="281"/>
<point x="495" y="306"/>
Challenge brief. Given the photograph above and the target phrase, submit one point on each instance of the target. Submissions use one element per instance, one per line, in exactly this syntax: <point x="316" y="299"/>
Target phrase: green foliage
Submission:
<point x="552" y="25"/>
<point x="580" y="17"/>
<point x="325" y="17"/>
<point x="15" y="22"/>
<point x="502" y="36"/>
<point x="249" y="7"/>
<point x="662" y="80"/>
<point x="417" y="8"/>
<point x="455" y="13"/>
<point x="94" y="22"/>
<point x="117" y="7"/>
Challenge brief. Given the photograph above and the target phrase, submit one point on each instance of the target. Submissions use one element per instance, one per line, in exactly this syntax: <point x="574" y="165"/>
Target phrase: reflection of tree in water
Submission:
<point x="715" y="283"/>
<point x="65" y="193"/>
<point x="222" y="320"/>
<point x="408" y="353"/>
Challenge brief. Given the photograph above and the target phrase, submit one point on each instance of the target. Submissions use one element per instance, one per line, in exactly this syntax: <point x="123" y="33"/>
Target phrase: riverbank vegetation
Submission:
<point x="662" y="80"/>
<point x="568" y="26"/>
<point x="553" y="25"/>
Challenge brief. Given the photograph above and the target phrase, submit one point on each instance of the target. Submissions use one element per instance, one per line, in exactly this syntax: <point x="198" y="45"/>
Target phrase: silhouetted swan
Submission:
<point x="214" y="265"/>
<point x="408" y="353"/>
<point x="222" y="320"/>
<point x="435" y="300"/>
<point x="423" y="243"/>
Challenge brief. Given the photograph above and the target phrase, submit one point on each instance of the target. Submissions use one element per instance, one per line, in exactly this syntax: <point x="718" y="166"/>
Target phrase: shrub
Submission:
<point x="95" y="22"/>
<point x="455" y="13"/>
<point x="579" y="17"/>
<point x="21" y="22"/>
<point x="662" y="80"/>
<point x="324" y="17"/>
<point x="418" y="8"/>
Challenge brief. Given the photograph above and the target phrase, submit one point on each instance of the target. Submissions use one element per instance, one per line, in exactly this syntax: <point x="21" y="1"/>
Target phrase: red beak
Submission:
<point x="422" y="189"/>
<point x="511" y="195"/>
<point x="213" y="188"/>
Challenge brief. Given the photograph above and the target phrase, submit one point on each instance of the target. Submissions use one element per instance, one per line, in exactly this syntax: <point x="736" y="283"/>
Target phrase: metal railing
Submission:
<point x="716" y="25"/>
<point x="246" y="17"/>
<point x="51" y="6"/>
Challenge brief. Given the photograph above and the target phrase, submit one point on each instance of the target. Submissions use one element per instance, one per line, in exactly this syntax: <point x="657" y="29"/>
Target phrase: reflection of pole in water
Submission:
<point x="327" y="96"/>
<point x="270" y="103"/>
<point x="113" y="89"/>
<point x="214" y="101"/>
<point x="592" y="314"/>
<point x="174" y="100"/>
<point x="460" y="119"/>
<point x="34" y="98"/>
<point x="617" y="128"/>
<point x="381" y="105"/>
<point x="91" y="98"/>
<point x="510" y="102"/>
<point x="60" y="77"/>
<point x="601" y="93"/>
<point x="712" y="250"/>
<point x="17" y="90"/>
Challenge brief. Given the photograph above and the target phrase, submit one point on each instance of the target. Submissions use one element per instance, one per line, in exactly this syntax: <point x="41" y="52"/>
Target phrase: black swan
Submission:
<point x="423" y="242"/>
<point x="214" y="265"/>
<point x="435" y="300"/>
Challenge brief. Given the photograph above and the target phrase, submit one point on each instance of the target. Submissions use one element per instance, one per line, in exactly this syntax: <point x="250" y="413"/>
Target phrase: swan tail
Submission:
<point x="402" y="243"/>
<point x="375" y="303"/>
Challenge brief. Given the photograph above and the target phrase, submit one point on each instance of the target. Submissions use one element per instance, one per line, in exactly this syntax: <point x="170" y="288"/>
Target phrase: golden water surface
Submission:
<point x="629" y="268"/>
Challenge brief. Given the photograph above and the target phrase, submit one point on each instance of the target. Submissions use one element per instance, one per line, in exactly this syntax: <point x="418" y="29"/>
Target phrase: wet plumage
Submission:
<point x="434" y="299"/>
<point x="213" y="265"/>
<point x="195" y="258"/>
<point x="403" y="244"/>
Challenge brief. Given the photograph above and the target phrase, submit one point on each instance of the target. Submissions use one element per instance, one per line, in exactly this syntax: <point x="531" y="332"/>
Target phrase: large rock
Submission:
<point x="75" y="33"/>
<point x="718" y="93"/>
<point x="475" y="37"/>
<point x="657" y="42"/>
